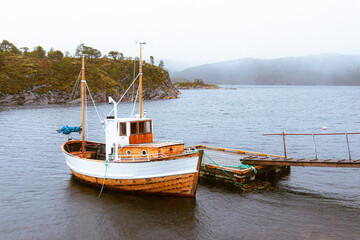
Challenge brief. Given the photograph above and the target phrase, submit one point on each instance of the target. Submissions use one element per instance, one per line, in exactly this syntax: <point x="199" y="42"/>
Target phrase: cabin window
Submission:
<point x="141" y="127"/>
<point x="133" y="128"/>
<point x="148" y="127"/>
<point x="122" y="129"/>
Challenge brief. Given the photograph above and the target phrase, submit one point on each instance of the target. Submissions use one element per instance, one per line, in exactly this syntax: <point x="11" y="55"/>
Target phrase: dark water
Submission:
<point x="39" y="199"/>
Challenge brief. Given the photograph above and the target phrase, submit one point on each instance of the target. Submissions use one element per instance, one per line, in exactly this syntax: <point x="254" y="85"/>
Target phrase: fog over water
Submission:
<point x="323" y="69"/>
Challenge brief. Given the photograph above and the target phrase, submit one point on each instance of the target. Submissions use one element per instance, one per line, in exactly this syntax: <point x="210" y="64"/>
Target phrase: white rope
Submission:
<point x="125" y="92"/>
<point x="132" y="94"/>
<point x="94" y="105"/>
<point x="137" y="94"/>
<point x="127" y="89"/>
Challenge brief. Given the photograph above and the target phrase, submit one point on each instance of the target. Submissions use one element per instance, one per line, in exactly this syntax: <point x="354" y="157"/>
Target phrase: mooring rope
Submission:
<point x="245" y="166"/>
<point x="102" y="187"/>
<point x="236" y="182"/>
<point x="107" y="161"/>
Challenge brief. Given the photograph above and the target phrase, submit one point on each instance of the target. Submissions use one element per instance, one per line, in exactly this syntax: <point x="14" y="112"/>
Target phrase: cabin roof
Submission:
<point x="133" y="119"/>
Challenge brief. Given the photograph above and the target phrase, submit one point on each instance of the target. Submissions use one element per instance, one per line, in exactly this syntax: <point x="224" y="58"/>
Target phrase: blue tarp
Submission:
<point x="67" y="130"/>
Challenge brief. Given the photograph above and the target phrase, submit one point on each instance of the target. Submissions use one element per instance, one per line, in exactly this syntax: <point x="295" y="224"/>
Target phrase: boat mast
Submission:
<point x="140" y="79"/>
<point x="83" y="105"/>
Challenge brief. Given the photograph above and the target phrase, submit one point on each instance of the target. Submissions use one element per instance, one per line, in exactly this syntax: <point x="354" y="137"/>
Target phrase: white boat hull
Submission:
<point x="175" y="175"/>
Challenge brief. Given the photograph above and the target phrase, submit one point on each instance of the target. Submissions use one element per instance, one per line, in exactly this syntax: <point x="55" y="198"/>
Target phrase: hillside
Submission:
<point x="325" y="69"/>
<point x="30" y="80"/>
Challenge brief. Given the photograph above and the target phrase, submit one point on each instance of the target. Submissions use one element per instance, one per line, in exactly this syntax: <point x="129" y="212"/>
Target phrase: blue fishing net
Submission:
<point x="67" y="130"/>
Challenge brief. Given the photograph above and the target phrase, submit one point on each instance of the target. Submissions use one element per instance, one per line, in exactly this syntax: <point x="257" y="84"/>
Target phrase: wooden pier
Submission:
<point x="225" y="164"/>
<point x="243" y="167"/>
<point x="303" y="162"/>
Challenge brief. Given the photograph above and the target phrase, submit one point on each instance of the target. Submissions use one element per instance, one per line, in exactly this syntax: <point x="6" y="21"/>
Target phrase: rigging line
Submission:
<point x="94" y="104"/>
<point x="86" y="117"/>
<point x="78" y="90"/>
<point x="132" y="94"/>
<point x="125" y="92"/>
<point x="75" y="86"/>
<point x="137" y="94"/>
<point x="128" y="89"/>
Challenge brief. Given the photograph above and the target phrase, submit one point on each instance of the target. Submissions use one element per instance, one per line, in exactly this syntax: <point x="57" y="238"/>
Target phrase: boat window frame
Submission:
<point x="120" y="129"/>
<point x="137" y="128"/>
<point x="146" y="127"/>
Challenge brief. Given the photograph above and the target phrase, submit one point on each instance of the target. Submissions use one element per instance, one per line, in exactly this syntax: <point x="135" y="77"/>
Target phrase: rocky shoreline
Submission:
<point x="32" y="97"/>
<point x="26" y="80"/>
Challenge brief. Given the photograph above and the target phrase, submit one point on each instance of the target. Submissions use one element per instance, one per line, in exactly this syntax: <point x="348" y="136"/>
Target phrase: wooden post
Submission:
<point x="194" y="186"/>
<point x="284" y="144"/>
<point x="348" y="145"/>
<point x="140" y="80"/>
<point x="316" y="157"/>
<point x="83" y="105"/>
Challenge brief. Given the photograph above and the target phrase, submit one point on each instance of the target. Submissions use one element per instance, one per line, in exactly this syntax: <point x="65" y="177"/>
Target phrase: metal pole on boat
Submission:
<point x="140" y="79"/>
<point x="83" y="105"/>
<point x="116" y="150"/>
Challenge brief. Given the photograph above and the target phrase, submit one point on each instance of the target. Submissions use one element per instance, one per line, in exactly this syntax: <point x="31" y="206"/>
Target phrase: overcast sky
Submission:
<point x="186" y="32"/>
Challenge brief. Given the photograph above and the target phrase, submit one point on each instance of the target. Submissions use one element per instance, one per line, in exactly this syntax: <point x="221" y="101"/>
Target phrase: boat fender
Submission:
<point x="144" y="153"/>
<point x="128" y="152"/>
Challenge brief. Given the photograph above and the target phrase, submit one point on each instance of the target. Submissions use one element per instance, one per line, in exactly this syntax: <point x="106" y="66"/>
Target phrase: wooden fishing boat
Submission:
<point x="130" y="160"/>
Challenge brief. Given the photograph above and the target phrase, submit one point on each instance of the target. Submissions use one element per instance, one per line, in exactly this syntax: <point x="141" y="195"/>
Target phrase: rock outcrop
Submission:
<point x="27" y="80"/>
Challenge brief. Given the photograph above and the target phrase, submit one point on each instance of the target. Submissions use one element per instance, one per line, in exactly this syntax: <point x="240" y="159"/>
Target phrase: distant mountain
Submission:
<point x="324" y="69"/>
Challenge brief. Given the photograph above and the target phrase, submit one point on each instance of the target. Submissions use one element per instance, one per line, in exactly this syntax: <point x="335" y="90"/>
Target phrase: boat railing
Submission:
<point x="190" y="149"/>
<point x="141" y="157"/>
<point x="154" y="142"/>
<point x="168" y="141"/>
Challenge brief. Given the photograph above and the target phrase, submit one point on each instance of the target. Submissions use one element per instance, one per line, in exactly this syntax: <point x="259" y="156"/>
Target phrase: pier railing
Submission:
<point x="283" y="134"/>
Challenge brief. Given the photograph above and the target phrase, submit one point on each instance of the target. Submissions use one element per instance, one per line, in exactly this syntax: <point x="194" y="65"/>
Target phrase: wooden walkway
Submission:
<point x="303" y="162"/>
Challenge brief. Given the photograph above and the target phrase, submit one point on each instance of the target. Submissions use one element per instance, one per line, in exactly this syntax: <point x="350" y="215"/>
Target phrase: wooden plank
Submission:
<point x="233" y="150"/>
<point x="307" y="163"/>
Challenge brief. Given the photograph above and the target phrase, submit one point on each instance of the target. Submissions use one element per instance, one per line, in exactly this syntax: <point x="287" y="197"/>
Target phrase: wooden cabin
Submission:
<point x="134" y="140"/>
